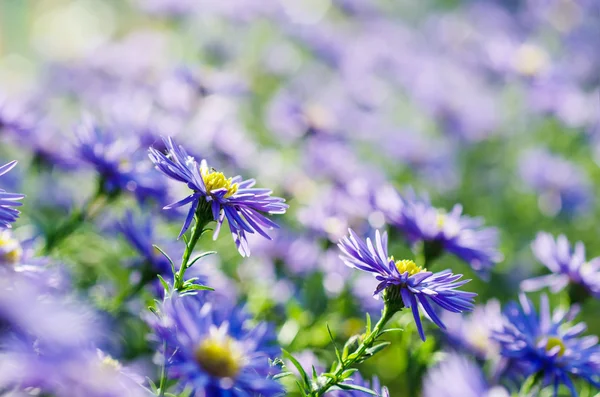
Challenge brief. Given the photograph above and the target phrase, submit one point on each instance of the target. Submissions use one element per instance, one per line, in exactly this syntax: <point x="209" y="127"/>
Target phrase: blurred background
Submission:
<point x="491" y="104"/>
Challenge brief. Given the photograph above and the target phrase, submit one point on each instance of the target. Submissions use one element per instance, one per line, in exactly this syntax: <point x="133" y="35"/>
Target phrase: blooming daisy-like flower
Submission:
<point x="404" y="281"/>
<point x="457" y="376"/>
<point x="454" y="232"/>
<point x="119" y="162"/>
<point x="8" y="214"/>
<point x="547" y="346"/>
<point x="473" y="333"/>
<point x="567" y="266"/>
<point x="214" y="350"/>
<point x="216" y="198"/>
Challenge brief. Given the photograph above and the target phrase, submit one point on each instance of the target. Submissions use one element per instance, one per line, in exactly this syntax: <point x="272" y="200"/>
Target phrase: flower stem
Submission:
<point x="369" y="339"/>
<point x="197" y="231"/>
<point x="77" y="218"/>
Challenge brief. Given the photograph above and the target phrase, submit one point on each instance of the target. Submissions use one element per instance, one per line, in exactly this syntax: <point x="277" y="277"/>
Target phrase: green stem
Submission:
<point x="78" y="217"/>
<point x="530" y="384"/>
<point x="386" y="314"/>
<point x="197" y="231"/>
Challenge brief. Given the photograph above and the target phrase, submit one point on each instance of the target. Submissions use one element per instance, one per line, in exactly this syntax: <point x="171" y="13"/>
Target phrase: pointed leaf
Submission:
<point x="337" y="351"/>
<point x="298" y="367"/>
<point x="371" y="351"/>
<point x="164" y="283"/>
<point x="346" y="386"/>
<point x="202" y="255"/>
<point x="156" y="247"/>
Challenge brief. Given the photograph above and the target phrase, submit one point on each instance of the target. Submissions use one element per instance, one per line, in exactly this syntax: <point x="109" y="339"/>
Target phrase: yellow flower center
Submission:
<point x="220" y="356"/>
<point x="440" y="219"/>
<point x="406" y="265"/>
<point x="216" y="180"/>
<point x="109" y="362"/>
<point x="530" y="59"/>
<point x="552" y="342"/>
<point x="10" y="248"/>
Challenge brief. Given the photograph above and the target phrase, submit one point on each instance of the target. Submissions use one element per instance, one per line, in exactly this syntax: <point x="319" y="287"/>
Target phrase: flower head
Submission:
<point x="8" y="214"/>
<point x="118" y="161"/>
<point x="451" y="231"/>
<point x="457" y="376"/>
<point x="216" y="351"/>
<point x="217" y="197"/>
<point x="405" y="280"/>
<point x="567" y="266"/>
<point x="546" y="345"/>
<point x="473" y="332"/>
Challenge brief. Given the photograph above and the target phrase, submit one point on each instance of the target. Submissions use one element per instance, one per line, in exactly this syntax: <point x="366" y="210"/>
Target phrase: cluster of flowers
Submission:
<point x="339" y="116"/>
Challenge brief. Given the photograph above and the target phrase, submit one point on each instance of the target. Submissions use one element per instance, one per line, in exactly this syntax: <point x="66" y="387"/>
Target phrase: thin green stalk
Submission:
<point x="197" y="231"/>
<point x="77" y="218"/>
<point x="357" y="355"/>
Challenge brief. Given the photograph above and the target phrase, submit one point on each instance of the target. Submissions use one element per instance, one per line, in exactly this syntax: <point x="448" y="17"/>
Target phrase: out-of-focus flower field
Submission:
<point x="384" y="148"/>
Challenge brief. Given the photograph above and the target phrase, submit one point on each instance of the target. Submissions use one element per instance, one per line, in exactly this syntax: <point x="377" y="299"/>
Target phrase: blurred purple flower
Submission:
<point x="473" y="332"/>
<point x="560" y="184"/>
<point x="457" y="376"/>
<point x="119" y="162"/>
<point x="406" y="280"/>
<point x="568" y="266"/>
<point x="454" y="232"/>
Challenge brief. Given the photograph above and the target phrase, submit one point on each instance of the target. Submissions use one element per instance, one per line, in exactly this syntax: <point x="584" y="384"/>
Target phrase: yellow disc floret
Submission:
<point x="220" y="355"/>
<point x="214" y="180"/>
<point x="552" y="342"/>
<point x="10" y="248"/>
<point x="406" y="265"/>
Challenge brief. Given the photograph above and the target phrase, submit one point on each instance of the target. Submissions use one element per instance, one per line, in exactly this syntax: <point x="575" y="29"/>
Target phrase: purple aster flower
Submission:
<point x="116" y="157"/>
<point x="141" y="235"/>
<point x="8" y="214"/>
<point x="454" y="232"/>
<point x="561" y="185"/>
<point x="216" y="351"/>
<point x="473" y="332"/>
<point x="547" y="346"/>
<point x="215" y="197"/>
<point x="358" y="380"/>
<point x="404" y="281"/>
<point x="568" y="266"/>
<point x="457" y="376"/>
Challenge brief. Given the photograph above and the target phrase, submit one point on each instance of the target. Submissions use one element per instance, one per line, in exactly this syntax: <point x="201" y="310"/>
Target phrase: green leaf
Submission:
<point x="368" y="326"/>
<point x="348" y="373"/>
<point x="315" y="376"/>
<point x="164" y="283"/>
<point x="385" y="331"/>
<point x="298" y="367"/>
<point x="166" y="256"/>
<point x="337" y="351"/>
<point x="282" y="375"/>
<point x="197" y="287"/>
<point x="153" y="386"/>
<point x="371" y="351"/>
<point x="346" y="386"/>
<point x="202" y="255"/>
